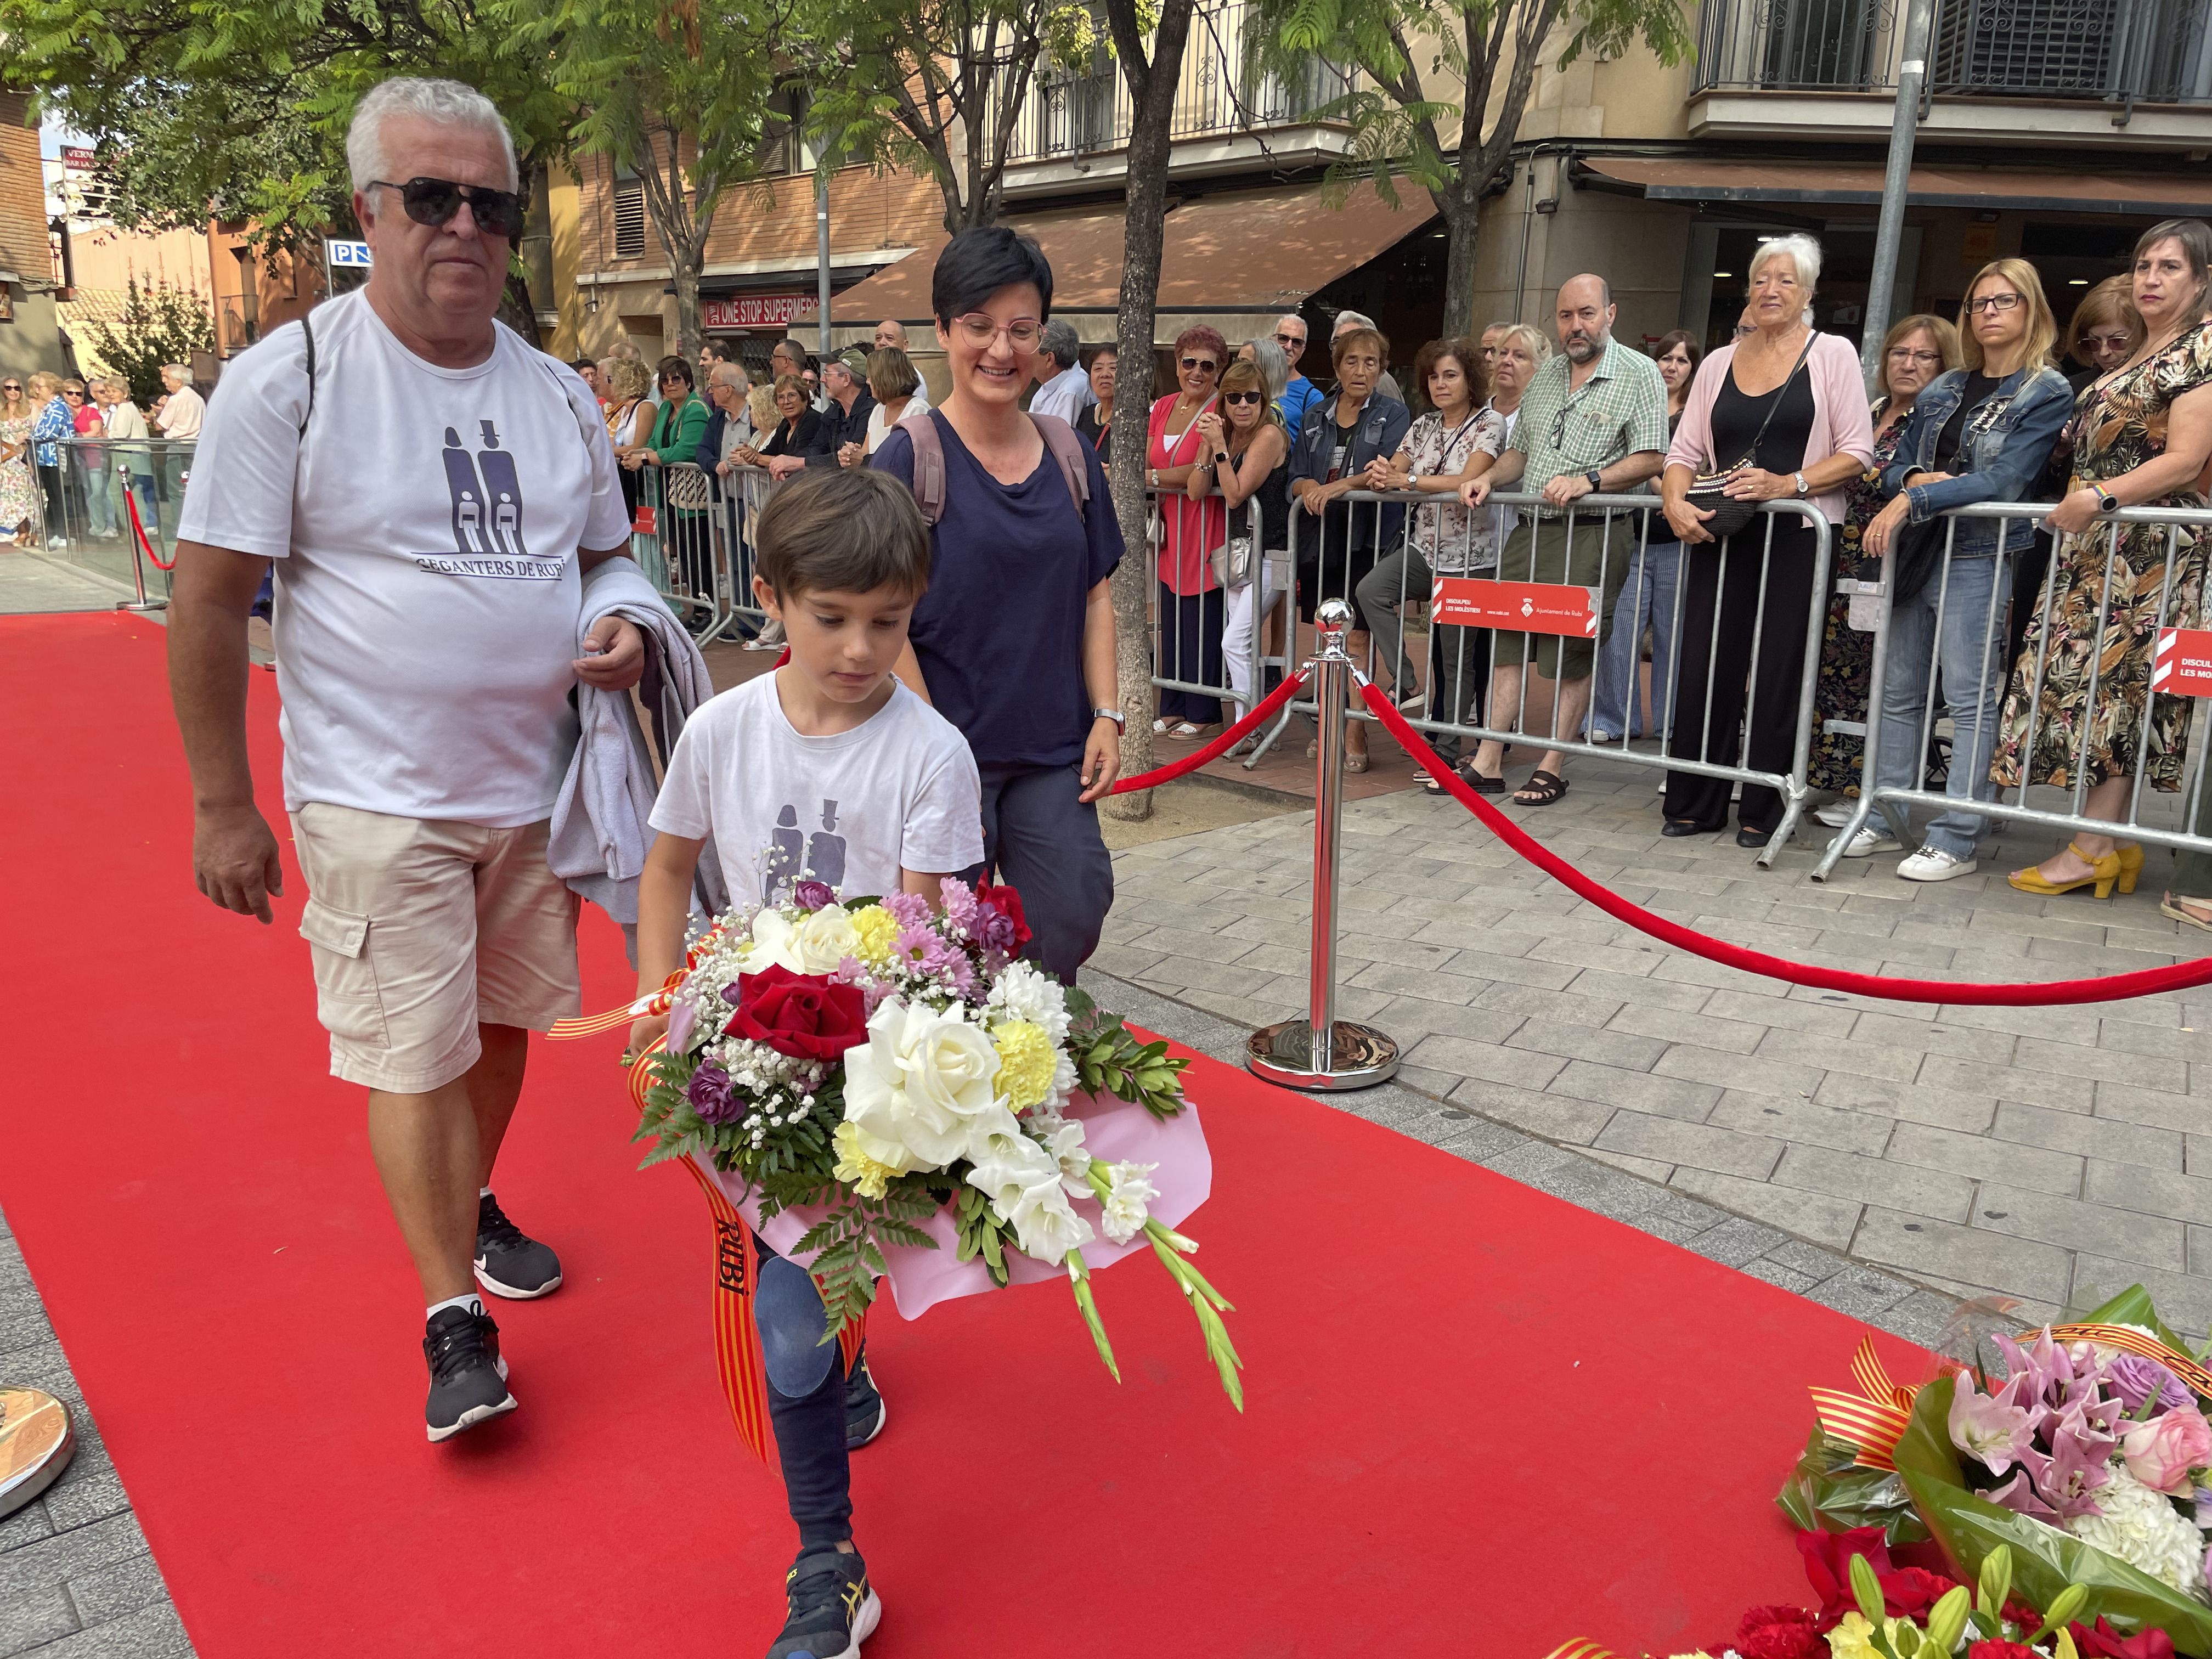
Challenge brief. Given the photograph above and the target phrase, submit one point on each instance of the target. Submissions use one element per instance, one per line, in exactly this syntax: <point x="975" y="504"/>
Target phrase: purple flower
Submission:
<point x="733" y="992"/>
<point x="2066" y="1477"/>
<point x="713" y="1095"/>
<point x="1990" y="1427"/>
<point x="2018" y="1496"/>
<point x="2135" y="1379"/>
<point x="812" y="895"/>
<point x="997" y="932"/>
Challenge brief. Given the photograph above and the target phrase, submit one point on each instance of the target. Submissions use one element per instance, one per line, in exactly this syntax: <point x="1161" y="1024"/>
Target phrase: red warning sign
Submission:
<point x="2181" y="666"/>
<point x="1521" y="607"/>
<point x="646" y="523"/>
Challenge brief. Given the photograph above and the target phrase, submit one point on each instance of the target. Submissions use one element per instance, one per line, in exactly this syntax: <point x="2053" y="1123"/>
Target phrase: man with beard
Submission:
<point x="1593" y="419"/>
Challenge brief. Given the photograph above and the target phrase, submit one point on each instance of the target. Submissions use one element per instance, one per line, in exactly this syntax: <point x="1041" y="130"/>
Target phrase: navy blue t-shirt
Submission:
<point x="999" y="633"/>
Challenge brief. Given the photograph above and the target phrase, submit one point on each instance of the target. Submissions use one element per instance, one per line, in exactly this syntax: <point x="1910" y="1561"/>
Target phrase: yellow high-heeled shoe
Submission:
<point x="2105" y="872"/>
<point x="2131" y="862"/>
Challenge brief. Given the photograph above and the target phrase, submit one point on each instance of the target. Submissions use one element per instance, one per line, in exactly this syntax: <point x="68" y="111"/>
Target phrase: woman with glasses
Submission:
<point x="2075" y="716"/>
<point x="1981" y="433"/>
<point x="678" y="426"/>
<point x="1191" y="602"/>
<point x="55" y="420"/>
<point x="1337" y="544"/>
<point x="1014" y="641"/>
<point x="89" y="482"/>
<point x="19" y="491"/>
<point x="1914" y="352"/>
<point x="1248" y="456"/>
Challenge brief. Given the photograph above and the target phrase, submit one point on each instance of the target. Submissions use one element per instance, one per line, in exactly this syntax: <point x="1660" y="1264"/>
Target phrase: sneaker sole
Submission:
<point x="471" y="1418"/>
<point x="1854" y="851"/>
<point x="883" y="1416"/>
<point x="864" y="1626"/>
<point x="1946" y="873"/>
<point x="510" y="1292"/>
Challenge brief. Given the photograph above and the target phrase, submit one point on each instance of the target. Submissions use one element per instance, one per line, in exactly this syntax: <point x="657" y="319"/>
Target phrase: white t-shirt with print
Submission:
<point x="899" y="791"/>
<point x="425" y="531"/>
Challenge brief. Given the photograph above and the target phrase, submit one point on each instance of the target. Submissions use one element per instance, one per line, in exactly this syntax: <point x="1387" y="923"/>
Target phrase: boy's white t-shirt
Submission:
<point x="899" y="791"/>
<point x="425" y="533"/>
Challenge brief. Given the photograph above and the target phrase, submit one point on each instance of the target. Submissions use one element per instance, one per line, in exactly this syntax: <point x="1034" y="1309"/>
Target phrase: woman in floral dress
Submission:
<point x="2143" y="435"/>
<point x="1915" y="351"/>
<point x="19" y="491"/>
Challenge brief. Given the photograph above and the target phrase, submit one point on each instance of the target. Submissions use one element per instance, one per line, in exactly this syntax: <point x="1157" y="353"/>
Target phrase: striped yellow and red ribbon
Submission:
<point x="1873" y="1421"/>
<point x="1579" y="1649"/>
<point x="2130" y="1341"/>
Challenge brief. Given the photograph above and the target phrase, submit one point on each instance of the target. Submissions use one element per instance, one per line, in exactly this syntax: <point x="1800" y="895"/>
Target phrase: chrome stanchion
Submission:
<point x="1321" y="1052"/>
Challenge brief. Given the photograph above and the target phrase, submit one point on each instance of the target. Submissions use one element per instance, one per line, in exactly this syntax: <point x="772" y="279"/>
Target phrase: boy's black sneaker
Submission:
<point x="509" y="1262"/>
<point x="833" y="1610"/>
<point x="864" y="1413"/>
<point x="468" y="1379"/>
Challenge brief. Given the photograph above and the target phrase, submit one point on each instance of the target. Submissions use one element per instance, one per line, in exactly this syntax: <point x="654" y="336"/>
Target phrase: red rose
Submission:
<point x="806" y="1016"/>
<point x="2000" y="1651"/>
<point x="2105" y="1643"/>
<point x="1779" y="1633"/>
<point x="1910" y="1592"/>
<point x="1828" y="1566"/>
<point x="1008" y="903"/>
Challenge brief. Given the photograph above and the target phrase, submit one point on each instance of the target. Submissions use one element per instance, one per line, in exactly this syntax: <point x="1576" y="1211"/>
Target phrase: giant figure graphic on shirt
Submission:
<point x="477" y="530"/>
<point x="793" y="856"/>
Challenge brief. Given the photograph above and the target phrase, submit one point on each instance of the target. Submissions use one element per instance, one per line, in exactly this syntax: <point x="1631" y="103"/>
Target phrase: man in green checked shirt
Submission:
<point x="1593" y="419"/>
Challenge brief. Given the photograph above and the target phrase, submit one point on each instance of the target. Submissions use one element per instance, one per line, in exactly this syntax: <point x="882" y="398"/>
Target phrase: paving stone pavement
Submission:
<point x="77" y="1580"/>
<point x="2047" y="1155"/>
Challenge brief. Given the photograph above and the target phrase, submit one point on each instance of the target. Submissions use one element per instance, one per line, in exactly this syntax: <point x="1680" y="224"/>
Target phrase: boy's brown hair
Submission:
<point x="843" y="530"/>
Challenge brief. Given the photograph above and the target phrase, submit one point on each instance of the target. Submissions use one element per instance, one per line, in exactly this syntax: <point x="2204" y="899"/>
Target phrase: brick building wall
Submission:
<point x="32" y="340"/>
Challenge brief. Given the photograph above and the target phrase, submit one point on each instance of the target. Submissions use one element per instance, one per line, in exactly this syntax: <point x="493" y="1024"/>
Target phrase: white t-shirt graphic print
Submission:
<point x="899" y="791"/>
<point x="425" y="533"/>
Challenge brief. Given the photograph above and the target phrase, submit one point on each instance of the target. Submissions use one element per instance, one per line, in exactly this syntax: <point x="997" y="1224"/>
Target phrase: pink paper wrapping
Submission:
<point x="1115" y="1130"/>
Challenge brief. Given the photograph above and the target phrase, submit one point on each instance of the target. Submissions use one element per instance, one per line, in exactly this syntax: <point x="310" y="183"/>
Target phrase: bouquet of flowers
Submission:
<point x="894" y="1077"/>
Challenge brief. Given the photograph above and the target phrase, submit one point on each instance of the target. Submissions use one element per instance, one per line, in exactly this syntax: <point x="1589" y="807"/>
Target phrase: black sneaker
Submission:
<point x="833" y="1610"/>
<point x="865" y="1413"/>
<point x="468" y="1379"/>
<point x="509" y="1262"/>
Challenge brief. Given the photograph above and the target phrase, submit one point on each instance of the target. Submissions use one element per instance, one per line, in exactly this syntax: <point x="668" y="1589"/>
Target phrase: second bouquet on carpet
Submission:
<point x="885" y="1088"/>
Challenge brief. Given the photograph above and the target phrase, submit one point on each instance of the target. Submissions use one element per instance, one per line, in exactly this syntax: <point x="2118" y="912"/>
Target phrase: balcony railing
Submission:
<point x="1070" y="115"/>
<point x="2156" y="52"/>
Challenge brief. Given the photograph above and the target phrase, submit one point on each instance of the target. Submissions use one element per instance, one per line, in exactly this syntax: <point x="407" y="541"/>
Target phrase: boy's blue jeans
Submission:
<point x="806" y="1398"/>
<point x="1648" y="596"/>
<point x="1968" y="655"/>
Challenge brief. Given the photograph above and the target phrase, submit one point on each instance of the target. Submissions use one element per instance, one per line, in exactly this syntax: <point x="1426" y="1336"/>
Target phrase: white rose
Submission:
<point x="920" y="1091"/>
<point x="1129" y="1194"/>
<point x="774" y="942"/>
<point x="826" y="939"/>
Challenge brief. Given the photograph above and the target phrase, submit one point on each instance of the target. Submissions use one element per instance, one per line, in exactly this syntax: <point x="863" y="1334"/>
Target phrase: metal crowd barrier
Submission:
<point x="86" y="522"/>
<point x="1374" y="549"/>
<point x="701" y="557"/>
<point x="1907" y="694"/>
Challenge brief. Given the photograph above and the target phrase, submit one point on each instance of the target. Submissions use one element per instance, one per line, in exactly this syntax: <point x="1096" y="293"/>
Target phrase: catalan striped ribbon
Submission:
<point x="2130" y="1341"/>
<point x="1873" y="1421"/>
<point x="1579" y="1649"/>
<point x="738" y="1358"/>
<point x="592" y="1024"/>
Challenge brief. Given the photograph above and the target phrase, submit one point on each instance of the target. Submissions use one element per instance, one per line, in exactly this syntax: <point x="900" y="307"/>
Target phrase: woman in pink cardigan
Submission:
<point x="1783" y="410"/>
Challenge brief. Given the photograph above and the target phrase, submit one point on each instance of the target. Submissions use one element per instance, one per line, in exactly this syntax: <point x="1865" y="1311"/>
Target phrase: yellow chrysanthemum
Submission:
<point x="878" y="930"/>
<point x="1027" y="1060"/>
<point x="1852" y="1638"/>
<point x="868" y="1178"/>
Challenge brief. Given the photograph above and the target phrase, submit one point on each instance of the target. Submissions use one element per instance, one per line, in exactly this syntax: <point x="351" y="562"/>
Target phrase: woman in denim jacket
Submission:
<point x="1981" y="433"/>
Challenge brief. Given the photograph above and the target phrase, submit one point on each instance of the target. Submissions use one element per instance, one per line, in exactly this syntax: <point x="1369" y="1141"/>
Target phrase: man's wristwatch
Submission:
<point x="1119" y="719"/>
<point x="1803" y="489"/>
<point x="1595" y="483"/>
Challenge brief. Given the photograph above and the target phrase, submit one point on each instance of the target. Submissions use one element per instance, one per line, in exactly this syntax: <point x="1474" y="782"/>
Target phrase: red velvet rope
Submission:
<point x="131" y="501"/>
<point x="1221" y="746"/>
<point x="2148" y="981"/>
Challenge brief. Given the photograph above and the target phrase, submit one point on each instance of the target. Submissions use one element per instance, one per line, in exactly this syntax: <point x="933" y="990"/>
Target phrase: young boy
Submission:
<point x="827" y="770"/>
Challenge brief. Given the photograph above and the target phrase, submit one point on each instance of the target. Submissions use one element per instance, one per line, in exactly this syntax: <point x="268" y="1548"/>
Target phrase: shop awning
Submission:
<point x="1255" y="251"/>
<point x="1690" y="179"/>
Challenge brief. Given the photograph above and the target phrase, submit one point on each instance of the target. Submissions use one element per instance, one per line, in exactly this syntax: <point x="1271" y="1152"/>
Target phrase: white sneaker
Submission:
<point x="1870" y="840"/>
<point x="1933" y="864"/>
<point x="1837" y="813"/>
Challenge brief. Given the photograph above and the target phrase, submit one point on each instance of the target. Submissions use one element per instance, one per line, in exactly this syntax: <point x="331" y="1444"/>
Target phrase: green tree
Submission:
<point x="1446" y="84"/>
<point x="938" y="85"/>
<point x="161" y="324"/>
<point x="678" y="94"/>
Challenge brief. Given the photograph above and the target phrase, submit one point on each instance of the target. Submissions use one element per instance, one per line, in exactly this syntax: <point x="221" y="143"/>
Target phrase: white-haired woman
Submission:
<point x="1783" y="413"/>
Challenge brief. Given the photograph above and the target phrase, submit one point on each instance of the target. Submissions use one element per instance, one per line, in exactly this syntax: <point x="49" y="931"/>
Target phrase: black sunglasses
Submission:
<point x="1202" y="365"/>
<point x="435" y="201"/>
<point x="1243" y="397"/>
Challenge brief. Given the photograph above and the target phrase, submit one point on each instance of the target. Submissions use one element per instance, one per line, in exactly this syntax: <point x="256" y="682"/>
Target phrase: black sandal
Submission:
<point x="1548" y="786"/>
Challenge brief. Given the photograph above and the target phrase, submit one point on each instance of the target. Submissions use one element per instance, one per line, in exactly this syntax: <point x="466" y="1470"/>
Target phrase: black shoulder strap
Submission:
<point x="307" y="336"/>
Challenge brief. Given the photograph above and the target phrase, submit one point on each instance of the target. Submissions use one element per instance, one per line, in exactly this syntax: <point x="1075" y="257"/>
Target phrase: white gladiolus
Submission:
<point x="920" y="1091"/>
<point x="1129" y="1194"/>
<point x="1063" y="1144"/>
<point x="1023" y="1182"/>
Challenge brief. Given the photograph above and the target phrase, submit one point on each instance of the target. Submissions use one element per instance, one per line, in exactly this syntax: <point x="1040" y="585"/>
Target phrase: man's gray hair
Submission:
<point x="730" y="374"/>
<point x="1274" y="364"/>
<point x="185" y="369"/>
<point x="446" y="102"/>
<point x="1063" y="342"/>
<point x="1351" y="319"/>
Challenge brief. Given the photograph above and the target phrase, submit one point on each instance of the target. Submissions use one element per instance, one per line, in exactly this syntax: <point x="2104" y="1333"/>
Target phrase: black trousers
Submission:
<point x="1044" y="842"/>
<point x="1720" y="585"/>
<point x="809" y="1426"/>
<point x="1190" y="649"/>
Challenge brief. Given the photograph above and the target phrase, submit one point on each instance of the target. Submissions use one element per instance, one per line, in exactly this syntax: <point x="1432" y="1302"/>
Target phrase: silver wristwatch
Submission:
<point x="1115" y="716"/>
<point x="1802" y="487"/>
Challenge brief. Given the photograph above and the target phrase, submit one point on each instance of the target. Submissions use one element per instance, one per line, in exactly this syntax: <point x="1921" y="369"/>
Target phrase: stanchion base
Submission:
<point x="36" y="1444"/>
<point x="151" y="607"/>
<point x="1283" y="1052"/>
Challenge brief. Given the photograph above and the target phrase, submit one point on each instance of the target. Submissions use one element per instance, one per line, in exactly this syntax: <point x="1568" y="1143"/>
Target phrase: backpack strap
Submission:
<point x="928" y="466"/>
<point x="1067" y="449"/>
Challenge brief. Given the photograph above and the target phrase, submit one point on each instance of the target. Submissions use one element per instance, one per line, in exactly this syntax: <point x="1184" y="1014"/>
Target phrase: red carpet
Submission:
<point x="1480" y="1420"/>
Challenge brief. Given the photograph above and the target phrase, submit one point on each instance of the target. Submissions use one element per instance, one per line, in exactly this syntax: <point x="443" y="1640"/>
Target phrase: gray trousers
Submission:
<point x="1041" y="840"/>
<point x="1458" y="657"/>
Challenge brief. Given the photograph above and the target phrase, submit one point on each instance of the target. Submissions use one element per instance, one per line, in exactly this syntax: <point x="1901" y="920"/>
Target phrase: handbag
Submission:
<point x="1706" y="491"/>
<point x="688" y="489"/>
<point x="1235" y="561"/>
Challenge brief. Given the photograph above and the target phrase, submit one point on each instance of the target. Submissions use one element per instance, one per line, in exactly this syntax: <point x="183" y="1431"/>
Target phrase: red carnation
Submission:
<point x="1007" y="903"/>
<point x="2105" y="1643"/>
<point x="1779" y="1633"/>
<point x="806" y="1016"/>
<point x="2001" y="1650"/>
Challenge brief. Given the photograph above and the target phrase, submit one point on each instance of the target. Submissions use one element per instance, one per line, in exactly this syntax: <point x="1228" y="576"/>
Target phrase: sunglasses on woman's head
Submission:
<point x="1243" y="397"/>
<point x="435" y="201"/>
<point x="1203" y="365"/>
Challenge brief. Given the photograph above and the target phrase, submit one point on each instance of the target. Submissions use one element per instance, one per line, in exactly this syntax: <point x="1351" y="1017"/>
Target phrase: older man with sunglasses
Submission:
<point x="1299" y="394"/>
<point x="431" y="490"/>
